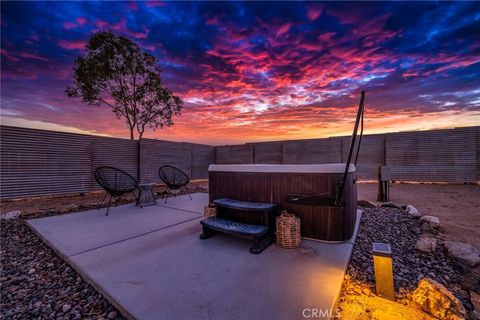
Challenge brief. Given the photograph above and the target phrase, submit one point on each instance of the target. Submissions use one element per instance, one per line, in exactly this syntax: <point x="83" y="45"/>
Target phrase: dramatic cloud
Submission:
<point x="256" y="71"/>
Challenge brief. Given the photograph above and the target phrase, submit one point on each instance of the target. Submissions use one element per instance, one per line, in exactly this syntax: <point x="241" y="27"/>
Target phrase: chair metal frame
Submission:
<point x="113" y="189"/>
<point x="173" y="185"/>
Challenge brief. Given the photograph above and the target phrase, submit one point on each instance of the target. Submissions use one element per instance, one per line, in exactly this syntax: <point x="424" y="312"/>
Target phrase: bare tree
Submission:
<point x="117" y="74"/>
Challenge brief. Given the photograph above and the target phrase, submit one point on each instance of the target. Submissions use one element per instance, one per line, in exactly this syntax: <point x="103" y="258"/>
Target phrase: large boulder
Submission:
<point x="426" y="244"/>
<point x="430" y="221"/>
<point x="413" y="212"/>
<point x="464" y="252"/>
<point x="435" y="299"/>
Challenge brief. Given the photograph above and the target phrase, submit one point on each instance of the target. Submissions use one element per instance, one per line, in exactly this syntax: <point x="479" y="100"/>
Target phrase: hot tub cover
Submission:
<point x="288" y="168"/>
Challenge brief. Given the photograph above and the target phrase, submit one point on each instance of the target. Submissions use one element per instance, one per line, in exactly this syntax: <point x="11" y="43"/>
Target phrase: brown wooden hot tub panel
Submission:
<point x="325" y="223"/>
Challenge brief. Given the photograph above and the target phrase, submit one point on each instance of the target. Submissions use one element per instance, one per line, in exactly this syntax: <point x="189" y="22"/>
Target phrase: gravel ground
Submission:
<point x="457" y="205"/>
<point x="394" y="226"/>
<point x="35" y="283"/>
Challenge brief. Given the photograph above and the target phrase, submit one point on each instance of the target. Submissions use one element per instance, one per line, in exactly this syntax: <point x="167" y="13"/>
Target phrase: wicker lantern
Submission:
<point x="288" y="230"/>
<point x="210" y="211"/>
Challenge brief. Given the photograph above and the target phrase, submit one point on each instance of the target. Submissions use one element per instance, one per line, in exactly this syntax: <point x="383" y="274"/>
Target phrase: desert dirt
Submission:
<point x="31" y="207"/>
<point x="457" y="206"/>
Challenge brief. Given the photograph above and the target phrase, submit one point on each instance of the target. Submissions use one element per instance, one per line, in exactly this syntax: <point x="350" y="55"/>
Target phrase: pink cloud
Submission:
<point x="69" y="25"/>
<point x="150" y="47"/>
<point x="409" y="74"/>
<point x="9" y="55"/>
<point x="71" y="44"/>
<point x="32" y="56"/>
<point x="81" y="20"/>
<point x="283" y="29"/>
<point x="212" y="21"/>
<point x="121" y="26"/>
<point x="313" y="13"/>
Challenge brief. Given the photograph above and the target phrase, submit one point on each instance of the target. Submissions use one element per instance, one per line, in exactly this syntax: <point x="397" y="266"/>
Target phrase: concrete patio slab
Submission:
<point x="82" y="231"/>
<point x="181" y="202"/>
<point x="171" y="274"/>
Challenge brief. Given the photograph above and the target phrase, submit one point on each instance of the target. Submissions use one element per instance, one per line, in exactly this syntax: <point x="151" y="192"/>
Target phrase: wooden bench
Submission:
<point x="237" y="223"/>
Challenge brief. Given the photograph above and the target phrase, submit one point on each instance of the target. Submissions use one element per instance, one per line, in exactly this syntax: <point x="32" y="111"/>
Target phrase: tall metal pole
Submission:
<point x="338" y="200"/>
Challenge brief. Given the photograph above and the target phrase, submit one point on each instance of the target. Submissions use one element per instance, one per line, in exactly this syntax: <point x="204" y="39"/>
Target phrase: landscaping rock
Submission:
<point x="425" y="244"/>
<point x="470" y="282"/>
<point x="413" y="212"/>
<point x="391" y="204"/>
<point x="435" y="299"/>
<point x="475" y="298"/>
<point x="430" y="221"/>
<point x="366" y="204"/>
<point x="464" y="252"/>
<point x="10" y="215"/>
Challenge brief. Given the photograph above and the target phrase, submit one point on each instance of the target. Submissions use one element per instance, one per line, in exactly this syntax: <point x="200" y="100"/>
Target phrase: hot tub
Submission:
<point x="273" y="183"/>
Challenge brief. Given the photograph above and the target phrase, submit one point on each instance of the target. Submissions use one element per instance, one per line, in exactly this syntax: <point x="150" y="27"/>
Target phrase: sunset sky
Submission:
<point x="255" y="71"/>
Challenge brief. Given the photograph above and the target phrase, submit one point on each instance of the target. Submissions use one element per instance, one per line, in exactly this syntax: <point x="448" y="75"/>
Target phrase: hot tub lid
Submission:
<point x="289" y="168"/>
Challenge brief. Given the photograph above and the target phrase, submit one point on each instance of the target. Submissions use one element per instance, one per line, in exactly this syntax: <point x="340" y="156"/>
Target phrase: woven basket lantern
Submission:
<point x="288" y="230"/>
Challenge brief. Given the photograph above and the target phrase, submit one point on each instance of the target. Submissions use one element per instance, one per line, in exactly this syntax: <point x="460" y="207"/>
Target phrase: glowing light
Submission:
<point x="382" y="263"/>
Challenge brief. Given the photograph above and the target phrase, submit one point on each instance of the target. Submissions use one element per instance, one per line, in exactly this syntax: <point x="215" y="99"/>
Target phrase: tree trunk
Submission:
<point x="139" y="171"/>
<point x="132" y="137"/>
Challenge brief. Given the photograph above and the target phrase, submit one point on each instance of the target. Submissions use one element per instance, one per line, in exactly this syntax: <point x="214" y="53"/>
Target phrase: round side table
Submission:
<point x="146" y="196"/>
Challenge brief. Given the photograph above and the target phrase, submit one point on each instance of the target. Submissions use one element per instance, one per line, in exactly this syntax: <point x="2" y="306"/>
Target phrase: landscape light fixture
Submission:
<point x="382" y="264"/>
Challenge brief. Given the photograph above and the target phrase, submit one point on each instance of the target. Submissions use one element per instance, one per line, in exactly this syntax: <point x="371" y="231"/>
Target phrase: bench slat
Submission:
<point x="244" y="205"/>
<point x="229" y="226"/>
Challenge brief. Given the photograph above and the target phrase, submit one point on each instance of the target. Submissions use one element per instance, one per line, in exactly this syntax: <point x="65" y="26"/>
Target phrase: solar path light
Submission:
<point x="382" y="264"/>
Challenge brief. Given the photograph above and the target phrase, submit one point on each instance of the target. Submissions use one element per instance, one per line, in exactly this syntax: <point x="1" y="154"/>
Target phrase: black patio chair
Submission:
<point x="116" y="183"/>
<point x="174" y="179"/>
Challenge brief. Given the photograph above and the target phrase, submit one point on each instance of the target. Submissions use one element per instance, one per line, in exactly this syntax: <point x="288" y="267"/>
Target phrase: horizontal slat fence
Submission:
<point x="40" y="162"/>
<point x="35" y="162"/>
<point x="238" y="154"/>
<point x="440" y="155"/>
<point x="114" y="152"/>
<point x="192" y="158"/>
<point x="450" y="155"/>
